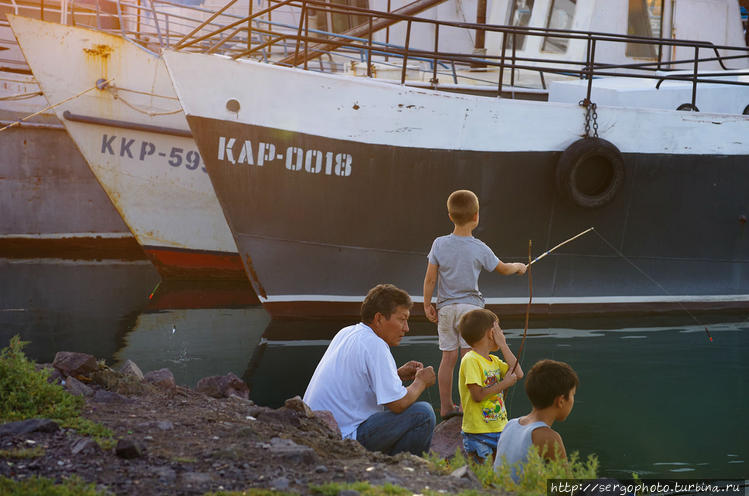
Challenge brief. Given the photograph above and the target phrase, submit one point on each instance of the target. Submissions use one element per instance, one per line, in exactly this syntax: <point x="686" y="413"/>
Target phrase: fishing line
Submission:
<point x="660" y="286"/>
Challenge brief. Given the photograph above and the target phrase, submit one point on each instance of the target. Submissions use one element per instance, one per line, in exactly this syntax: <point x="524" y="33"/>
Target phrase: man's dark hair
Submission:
<point x="547" y="380"/>
<point x="474" y="324"/>
<point x="385" y="299"/>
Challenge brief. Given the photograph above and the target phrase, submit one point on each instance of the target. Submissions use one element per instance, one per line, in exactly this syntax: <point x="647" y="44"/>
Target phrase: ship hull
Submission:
<point x="354" y="193"/>
<point x="51" y="203"/>
<point x="136" y="141"/>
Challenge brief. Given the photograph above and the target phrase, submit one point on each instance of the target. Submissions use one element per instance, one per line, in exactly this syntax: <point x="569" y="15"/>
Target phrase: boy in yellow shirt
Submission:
<point x="483" y="379"/>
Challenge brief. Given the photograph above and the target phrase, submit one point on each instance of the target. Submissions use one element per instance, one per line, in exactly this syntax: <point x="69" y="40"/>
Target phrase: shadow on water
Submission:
<point x="656" y="396"/>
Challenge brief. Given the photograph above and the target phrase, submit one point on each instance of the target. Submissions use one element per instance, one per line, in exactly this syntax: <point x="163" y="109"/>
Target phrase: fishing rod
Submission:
<point x="573" y="238"/>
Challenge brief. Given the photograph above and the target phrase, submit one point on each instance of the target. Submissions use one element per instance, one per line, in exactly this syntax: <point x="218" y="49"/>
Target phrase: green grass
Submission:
<point x="41" y="486"/>
<point x="27" y="394"/>
<point x="535" y="471"/>
<point x="20" y="453"/>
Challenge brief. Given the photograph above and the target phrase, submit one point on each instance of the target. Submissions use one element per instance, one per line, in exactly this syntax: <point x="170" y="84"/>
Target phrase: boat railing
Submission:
<point x="310" y="42"/>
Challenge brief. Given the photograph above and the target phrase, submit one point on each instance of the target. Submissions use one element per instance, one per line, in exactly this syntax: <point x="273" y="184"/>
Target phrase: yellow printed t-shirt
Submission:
<point x="490" y="415"/>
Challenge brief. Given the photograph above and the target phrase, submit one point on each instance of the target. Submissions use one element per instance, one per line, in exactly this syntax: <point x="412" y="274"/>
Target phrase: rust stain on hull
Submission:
<point x="74" y="248"/>
<point x="99" y="54"/>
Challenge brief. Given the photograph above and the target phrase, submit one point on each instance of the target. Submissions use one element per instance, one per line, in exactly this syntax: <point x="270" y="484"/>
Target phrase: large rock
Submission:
<point x="327" y="418"/>
<point x="77" y="388"/>
<point x="162" y="378"/>
<point x="291" y="451"/>
<point x="296" y="403"/>
<point x="75" y="364"/>
<point x="129" y="368"/>
<point x="223" y="386"/>
<point x="127" y="448"/>
<point x="27" y="426"/>
<point x="447" y="438"/>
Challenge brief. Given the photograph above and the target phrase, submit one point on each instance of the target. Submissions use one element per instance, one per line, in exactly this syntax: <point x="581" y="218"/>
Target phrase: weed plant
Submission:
<point x="532" y="475"/>
<point x="41" y="486"/>
<point x="26" y="394"/>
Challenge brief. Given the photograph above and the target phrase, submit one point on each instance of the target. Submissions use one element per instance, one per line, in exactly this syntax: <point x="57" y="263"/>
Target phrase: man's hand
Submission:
<point x="408" y="371"/>
<point x="521" y="268"/>
<point x="430" y="312"/>
<point x="426" y="375"/>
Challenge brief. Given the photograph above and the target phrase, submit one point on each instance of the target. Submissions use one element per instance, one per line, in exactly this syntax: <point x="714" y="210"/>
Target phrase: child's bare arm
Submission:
<point x="478" y="393"/>
<point x="509" y="356"/>
<point x="507" y="269"/>
<point x="549" y="443"/>
<point x="430" y="281"/>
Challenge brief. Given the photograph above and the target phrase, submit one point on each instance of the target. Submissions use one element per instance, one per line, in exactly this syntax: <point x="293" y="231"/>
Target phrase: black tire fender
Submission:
<point x="590" y="172"/>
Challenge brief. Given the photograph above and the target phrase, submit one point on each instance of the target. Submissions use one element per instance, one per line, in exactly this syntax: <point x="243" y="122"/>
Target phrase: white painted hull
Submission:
<point x="156" y="180"/>
<point x="353" y="192"/>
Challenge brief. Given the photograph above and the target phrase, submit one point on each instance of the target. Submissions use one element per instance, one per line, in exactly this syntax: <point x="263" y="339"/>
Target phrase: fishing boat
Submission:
<point x="130" y="128"/>
<point x="332" y="184"/>
<point x="50" y="201"/>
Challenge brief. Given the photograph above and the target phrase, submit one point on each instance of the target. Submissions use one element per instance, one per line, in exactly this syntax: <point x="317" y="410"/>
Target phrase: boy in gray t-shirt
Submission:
<point x="455" y="262"/>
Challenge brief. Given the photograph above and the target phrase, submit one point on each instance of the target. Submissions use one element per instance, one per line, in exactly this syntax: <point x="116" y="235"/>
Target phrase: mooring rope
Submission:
<point x="18" y="122"/>
<point x="115" y="92"/>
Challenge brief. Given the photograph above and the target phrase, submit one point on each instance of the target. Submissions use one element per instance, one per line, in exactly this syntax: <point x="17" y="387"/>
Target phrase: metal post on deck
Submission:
<point x="405" y="53"/>
<point x="514" y="53"/>
<point x="306" y="38"/>
<point x="299" y="32"/>
<point x="694" y="77"/>
<point x="434" y="80"/>
<point x="591" y="62"/>
<point x="249" y="26"/>
<point x="387" y="35"/>
<point x="369" y="49"/>
<point x="502" y="64"/>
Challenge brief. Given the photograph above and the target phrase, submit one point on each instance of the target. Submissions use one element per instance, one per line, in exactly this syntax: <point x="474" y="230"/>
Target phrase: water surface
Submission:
<point x="656" y="396"/>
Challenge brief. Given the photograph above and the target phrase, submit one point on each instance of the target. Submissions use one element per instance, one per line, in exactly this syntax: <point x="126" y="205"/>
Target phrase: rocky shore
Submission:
<point x="169" y="439"/>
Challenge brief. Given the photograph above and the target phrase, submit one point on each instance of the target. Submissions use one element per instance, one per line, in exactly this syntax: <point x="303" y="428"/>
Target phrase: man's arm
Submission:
<point x="424" y="378"/>
<point x="430" y="281"/>
<point x="507" y="269"/>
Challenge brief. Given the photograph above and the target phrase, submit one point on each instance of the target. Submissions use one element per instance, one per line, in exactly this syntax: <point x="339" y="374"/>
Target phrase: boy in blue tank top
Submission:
<point x="454" y="264"/>
<point x="551" y="387"/>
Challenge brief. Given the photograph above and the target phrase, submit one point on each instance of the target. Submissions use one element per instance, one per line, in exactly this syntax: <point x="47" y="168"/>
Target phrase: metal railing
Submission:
<point x="310" y="43"/>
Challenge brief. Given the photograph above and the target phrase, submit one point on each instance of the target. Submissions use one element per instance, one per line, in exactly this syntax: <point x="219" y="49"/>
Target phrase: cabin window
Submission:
<point x="340" y="23"/>
<point x="644" y="19"/>
<point x="561" y="14"/>
<point x="521" y="16"/>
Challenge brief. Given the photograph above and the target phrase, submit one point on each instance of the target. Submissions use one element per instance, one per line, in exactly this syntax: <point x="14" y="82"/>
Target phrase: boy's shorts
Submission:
<point x="447" y="325"/>
<point x="483" y="445"/>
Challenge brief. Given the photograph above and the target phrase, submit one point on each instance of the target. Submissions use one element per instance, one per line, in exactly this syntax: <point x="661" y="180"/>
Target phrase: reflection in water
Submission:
<point x="61" y="305"/>
<point x="656" y="397"/>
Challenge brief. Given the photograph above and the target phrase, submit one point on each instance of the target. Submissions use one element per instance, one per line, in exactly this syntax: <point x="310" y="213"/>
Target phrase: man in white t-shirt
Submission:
<point x="357" y="379"/>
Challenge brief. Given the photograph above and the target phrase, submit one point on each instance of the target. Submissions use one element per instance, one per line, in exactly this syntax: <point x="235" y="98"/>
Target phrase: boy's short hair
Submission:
<point x="474" y="324"/>
<point x="462" y="205"/>
<point x="383" y="298"/>
<point x="547" y="380"/>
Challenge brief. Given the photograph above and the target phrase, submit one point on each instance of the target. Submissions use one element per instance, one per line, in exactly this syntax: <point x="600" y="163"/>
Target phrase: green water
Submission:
<point x="656" y="396"/>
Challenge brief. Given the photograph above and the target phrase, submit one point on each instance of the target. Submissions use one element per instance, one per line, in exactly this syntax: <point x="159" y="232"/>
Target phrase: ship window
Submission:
<point x="561" y="14"/>
<point x="336" y="22"/>
<point x="644" y="19"/>
<point x="521" y="16"/>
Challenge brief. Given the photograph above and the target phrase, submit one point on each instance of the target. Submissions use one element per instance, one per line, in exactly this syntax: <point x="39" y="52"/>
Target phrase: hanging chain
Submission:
<point x="590" y="112"/>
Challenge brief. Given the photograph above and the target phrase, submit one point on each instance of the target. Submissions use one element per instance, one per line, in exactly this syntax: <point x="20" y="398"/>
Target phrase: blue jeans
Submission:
<point x="483" y="445"/>
<point x="391" y="433"/>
